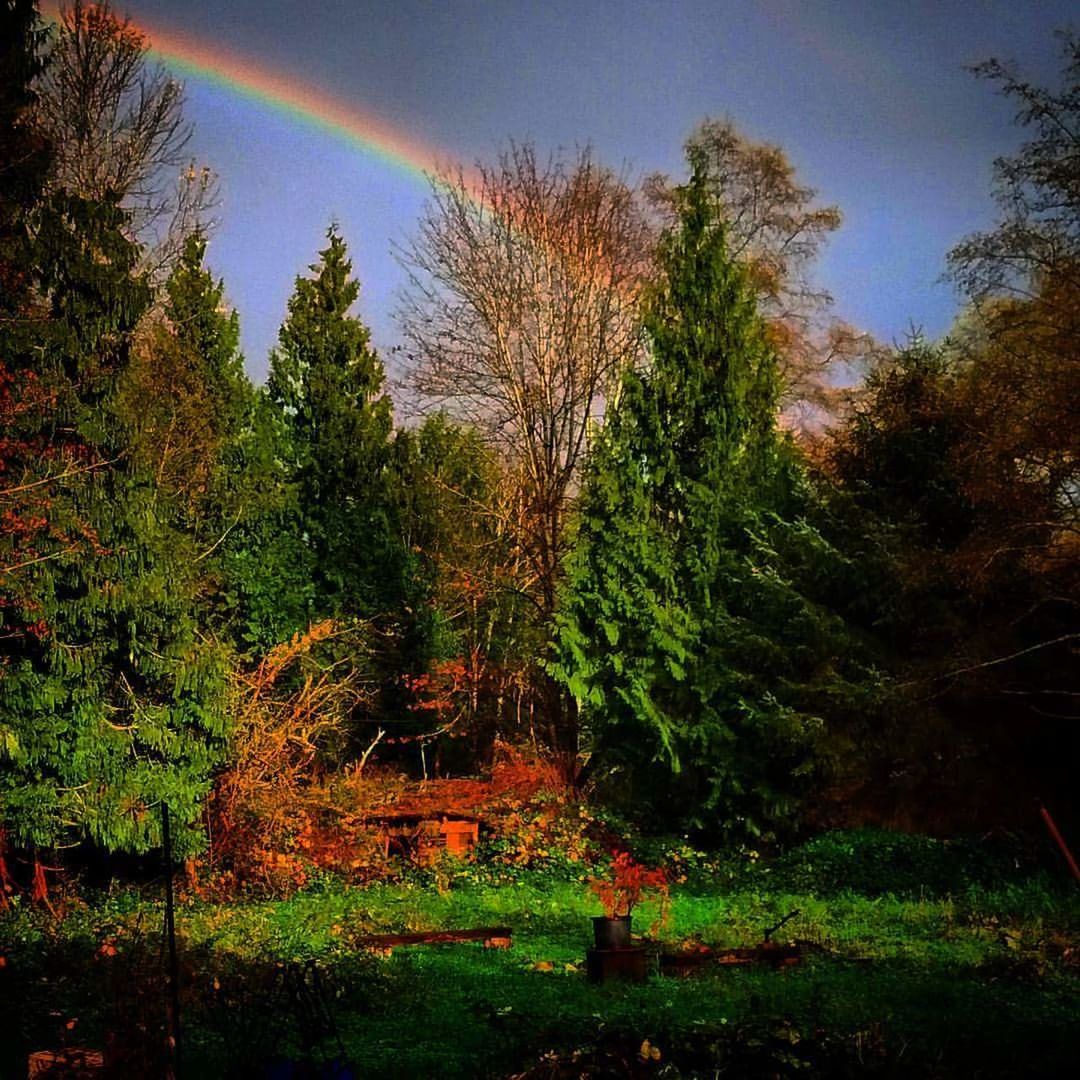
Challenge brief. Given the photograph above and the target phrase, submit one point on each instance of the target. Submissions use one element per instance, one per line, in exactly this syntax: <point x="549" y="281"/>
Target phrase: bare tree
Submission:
<point x="776" y="229"/>
<point x="117" y="128"/>
<point x="520" y="311"/>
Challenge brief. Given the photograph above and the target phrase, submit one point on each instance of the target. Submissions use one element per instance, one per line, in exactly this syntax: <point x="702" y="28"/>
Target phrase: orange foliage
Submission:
<point x="269" y="822"/>
<point x="272" y="829"/>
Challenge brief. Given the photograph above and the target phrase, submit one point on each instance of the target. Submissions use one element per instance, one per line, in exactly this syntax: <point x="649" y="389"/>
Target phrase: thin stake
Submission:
<point x="1052" y="828"/>
<point x="170" y="933"/>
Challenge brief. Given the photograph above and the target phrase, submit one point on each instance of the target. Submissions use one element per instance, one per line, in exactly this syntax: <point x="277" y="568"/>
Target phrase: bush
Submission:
<point x="877" y="861"/>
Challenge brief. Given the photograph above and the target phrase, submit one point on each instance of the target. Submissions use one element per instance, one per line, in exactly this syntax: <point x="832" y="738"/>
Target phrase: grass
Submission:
<point x="976" y="980"/>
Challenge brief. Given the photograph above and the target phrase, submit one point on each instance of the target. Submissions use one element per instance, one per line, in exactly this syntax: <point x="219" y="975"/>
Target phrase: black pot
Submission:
<point x="611" y="933"/>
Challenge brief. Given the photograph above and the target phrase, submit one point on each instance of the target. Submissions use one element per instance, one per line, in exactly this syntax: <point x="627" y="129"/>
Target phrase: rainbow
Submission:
<point x="238" y="74"/>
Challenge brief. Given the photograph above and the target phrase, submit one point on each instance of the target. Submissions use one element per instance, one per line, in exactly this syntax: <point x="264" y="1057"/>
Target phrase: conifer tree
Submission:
<point x="114" y="702"/>
<point x="110" y="700"/>
<point x="335" y="423"/>
<point x="187" y="398"/>
<point x="192" y="411"/>
<point x="28" y="456"/>
<point x="693" y="654"/>
<point x="337" y="533"/>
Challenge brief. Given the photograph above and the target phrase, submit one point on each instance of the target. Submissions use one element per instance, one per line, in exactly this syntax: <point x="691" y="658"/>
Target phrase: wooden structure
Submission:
<point x="425" y="838"/>
<point x="632" y="963"/>
<point x="72" y="1064"/>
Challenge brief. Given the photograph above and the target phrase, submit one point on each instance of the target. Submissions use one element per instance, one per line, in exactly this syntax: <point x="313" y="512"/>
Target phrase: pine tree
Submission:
<point x="192" y="412"/>
<point x="693" y="654"/>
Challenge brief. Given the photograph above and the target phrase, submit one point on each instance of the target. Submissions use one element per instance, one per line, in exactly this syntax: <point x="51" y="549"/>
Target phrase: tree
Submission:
<point x="187" y="398"/>
<point x="339" y="523"/>
<point x="963" y="460"/>
<point x="118" y="129"/>
<point x="776" y="229"/>
<point x="326" y="387"/>
<point x="952" y="479"/>
<point x="1018" y="349"/>
<point x="191" y="412"/>
<point x="699" y="656"/>
<point x="520" y="315"/>
<point x="1017" y="383"/>
<point x="25" y="153"/>
<point x="487" y="640"/>
<point x="32" y="463"/>
<point x="1037" y="238"/>
<point x="110" y="701"/>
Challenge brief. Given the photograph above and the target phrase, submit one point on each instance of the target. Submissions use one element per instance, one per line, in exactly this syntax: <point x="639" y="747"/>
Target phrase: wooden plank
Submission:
<point x="498" y="937"/>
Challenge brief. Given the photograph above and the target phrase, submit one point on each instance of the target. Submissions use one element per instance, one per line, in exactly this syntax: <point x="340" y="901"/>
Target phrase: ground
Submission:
<point x="920" y="958"/>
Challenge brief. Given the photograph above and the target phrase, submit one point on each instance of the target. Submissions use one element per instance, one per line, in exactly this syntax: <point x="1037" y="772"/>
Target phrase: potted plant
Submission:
<point x="619" y="893"/>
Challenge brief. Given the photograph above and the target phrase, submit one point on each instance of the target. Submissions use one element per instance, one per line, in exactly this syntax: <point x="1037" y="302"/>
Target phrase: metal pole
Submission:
<point x="170" y="934"/>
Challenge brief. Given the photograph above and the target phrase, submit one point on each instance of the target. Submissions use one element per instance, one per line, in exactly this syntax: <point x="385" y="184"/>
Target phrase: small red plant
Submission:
<point x="628" y="884"/>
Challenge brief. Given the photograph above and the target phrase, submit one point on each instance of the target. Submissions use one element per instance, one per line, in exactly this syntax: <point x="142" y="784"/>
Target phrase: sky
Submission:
<point x="869" y="98"/>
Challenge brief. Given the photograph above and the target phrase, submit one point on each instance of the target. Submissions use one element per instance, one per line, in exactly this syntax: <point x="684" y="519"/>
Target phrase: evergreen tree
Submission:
<point x="696" y="658"/>
<point x="110" y="701"/>
<point x="335" y="423"/>
<point x="29" y="453"/>
<point x="335" y="536"/>
<point x="24" y="152"/>
<point x="186" y="397"/>
<point x="191" y="410"/>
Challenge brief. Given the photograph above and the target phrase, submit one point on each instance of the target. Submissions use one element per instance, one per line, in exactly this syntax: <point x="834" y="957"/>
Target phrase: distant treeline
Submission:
<point x="734" y="566"/>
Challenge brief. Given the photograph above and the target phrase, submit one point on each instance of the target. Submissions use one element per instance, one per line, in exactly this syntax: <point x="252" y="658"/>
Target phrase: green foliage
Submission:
<point x="115" y="702"/>
<point x="876" y="862"/>
<point x="190" y="408"/>
<point x="329" y="542"/>
<point x="23" y="151"/>
<point x="956" y="465"/>
<point x="897" y="447"/>
<point x="692" y="628"/>
<point x="458" y="497"/>
<point x="110" y="700"/>
<point x="334" y="426"/>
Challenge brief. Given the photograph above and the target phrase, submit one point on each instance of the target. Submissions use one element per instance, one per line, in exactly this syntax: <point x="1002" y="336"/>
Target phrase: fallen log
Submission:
<point x="493" y="937"/>
<point x="768" y="952"/>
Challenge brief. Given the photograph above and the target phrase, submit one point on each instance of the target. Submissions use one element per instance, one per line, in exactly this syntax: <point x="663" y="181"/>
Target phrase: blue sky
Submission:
<point x="869" y="99"/>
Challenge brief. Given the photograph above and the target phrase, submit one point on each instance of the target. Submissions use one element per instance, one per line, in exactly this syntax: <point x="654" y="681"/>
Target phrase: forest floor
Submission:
<point x="965" y="973"/>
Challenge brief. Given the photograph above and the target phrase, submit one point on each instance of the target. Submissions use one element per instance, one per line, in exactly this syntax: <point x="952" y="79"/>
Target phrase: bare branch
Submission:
<point x="520" y="312"/>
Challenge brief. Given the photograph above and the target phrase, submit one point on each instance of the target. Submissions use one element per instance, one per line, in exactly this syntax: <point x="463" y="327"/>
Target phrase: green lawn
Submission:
<point x="976" y="980"/>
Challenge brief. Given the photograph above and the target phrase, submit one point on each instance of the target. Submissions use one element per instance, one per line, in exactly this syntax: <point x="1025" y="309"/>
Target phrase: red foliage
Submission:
<point x="515" y="779"/>
<point x="626" y="887"/>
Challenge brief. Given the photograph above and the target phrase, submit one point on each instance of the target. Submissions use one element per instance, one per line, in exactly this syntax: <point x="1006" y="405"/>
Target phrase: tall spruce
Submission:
<point x="693" y="655"/>
<point x="335" y="423"/>
<point x="340" y="537"/>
